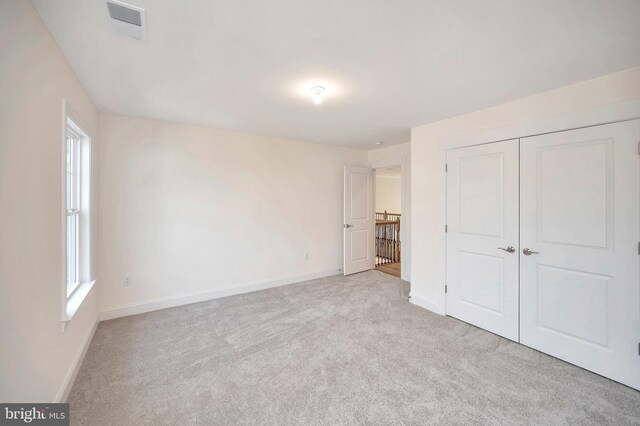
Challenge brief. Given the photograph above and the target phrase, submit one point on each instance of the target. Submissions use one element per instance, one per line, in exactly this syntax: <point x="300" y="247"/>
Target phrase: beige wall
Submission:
<point x="567" y="107"/>
<point x="191" y="212"/>
<point x="388" y="190"/>
<point x="36" y="356"/>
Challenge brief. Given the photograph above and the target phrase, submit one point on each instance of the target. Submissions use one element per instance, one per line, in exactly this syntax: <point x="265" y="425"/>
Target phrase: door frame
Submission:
<point x="405" y="247"/>
<point x="625" y="111"/>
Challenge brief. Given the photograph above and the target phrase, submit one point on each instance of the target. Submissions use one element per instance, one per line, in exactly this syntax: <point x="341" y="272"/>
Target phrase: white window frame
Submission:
<point x="74" y="292"/>
<point x="73" y="210"/>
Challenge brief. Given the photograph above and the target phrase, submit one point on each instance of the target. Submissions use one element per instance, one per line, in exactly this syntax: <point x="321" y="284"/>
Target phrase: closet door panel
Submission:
<point x="482" y="218"/>
<point x="579" y="263"/>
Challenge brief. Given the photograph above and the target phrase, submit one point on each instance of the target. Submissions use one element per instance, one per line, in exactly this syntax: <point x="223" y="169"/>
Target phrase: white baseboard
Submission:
<point x="112" y="312"/>
<point x="426" y="303"/>
<point x="70" y="378"/>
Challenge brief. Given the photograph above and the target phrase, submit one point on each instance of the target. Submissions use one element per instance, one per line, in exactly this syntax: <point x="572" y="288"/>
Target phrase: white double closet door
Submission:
<point x="542" y="244"/>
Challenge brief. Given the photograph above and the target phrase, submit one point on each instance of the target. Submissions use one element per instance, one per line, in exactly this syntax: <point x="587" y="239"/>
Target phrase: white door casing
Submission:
<point x="580" y="210"/>
<point x="482" y="224"/>
<point x="359" y="220"/>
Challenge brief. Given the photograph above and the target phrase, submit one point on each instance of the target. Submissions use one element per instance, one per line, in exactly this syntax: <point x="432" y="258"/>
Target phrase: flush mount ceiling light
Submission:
<point x="378" y="143"/>
<point x="317" y="94"/>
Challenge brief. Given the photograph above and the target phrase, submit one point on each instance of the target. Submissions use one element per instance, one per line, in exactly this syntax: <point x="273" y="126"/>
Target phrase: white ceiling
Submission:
<point x="388" y="65"/>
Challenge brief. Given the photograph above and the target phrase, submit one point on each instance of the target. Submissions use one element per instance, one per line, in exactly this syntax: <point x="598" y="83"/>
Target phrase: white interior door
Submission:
<point x="482" y="236"/>
<point x="359" y="220"/>
<point x="580" y="296"/>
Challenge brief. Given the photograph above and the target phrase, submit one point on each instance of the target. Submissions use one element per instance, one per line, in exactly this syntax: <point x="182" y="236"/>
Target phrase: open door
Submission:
<point x="359" y="221"/>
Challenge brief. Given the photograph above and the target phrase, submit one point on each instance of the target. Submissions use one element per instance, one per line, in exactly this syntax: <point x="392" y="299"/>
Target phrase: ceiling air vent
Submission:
<point x="127" y="20"/>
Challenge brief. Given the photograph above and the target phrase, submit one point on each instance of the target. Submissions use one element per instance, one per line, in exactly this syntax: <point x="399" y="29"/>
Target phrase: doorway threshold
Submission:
<point x="390" y="268"/>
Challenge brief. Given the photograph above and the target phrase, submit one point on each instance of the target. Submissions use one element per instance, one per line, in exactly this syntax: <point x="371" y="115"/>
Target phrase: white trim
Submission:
<point x="112" y="312"/>
<point x="405" y="249"/>
<point x="76" y="298"/>
<point x="71" y="303"/>
<point x="426" y="303"/>
<point x="442" y="238"/>
<point x="63" y="177"/>
<point x="575" y="120"/>
<point x="72" y="373"/>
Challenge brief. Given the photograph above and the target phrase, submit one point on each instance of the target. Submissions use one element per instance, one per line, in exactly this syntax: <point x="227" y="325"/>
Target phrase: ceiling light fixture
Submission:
<point x="317" y="94"/>
<point x="378" y="143"/>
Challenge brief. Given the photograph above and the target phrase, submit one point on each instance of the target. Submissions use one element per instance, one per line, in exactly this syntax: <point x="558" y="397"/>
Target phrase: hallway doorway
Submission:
<point x="388" y="206"/>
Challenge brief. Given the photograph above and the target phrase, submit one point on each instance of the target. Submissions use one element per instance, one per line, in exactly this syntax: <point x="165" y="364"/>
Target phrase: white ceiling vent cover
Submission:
<point x="127" y="20"/>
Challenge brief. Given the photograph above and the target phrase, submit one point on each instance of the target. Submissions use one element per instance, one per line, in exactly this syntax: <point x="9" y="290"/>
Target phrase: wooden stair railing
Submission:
<point x="387" y="216"/>
<point x="387" y="238"/>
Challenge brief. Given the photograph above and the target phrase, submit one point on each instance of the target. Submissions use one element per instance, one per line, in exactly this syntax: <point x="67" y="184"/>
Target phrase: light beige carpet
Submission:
<point x="339" y="350"/>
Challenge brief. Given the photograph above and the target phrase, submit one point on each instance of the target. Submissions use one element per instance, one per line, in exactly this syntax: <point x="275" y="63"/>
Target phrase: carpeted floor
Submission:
<point x="339" y="350"/>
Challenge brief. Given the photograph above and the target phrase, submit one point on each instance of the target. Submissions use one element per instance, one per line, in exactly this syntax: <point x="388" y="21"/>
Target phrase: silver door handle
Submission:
<point x="348" y="226"/>
<point x="510" y="249"/>
<point x="529" y="252"/>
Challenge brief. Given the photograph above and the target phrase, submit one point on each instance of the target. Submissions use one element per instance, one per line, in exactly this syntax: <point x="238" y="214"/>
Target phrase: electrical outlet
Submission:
<point x="306" y="256"/>
<point x="126" y="281"/>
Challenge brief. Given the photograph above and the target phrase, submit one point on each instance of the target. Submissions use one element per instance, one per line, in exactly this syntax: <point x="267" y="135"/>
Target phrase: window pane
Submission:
<point x="72" y="251"/>
<point x="71" y="176"/>
<point x="76" y="173"/>
<point x="73" y="159"/>
<point x="69" y="190"/>
<point x="69" y="154"/>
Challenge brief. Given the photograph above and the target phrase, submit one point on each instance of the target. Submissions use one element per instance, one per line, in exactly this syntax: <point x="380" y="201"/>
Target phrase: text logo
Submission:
<point x="35" y="414"/>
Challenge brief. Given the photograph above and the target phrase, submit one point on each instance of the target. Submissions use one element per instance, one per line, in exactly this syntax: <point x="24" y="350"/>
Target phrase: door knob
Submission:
<point x="510" y="249"/>
<point x="348" y="226"/>
<point x="529" y="252"/>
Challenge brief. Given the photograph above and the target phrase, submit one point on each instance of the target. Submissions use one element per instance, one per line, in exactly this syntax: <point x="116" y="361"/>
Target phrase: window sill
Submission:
<point x="76" y="299"/>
